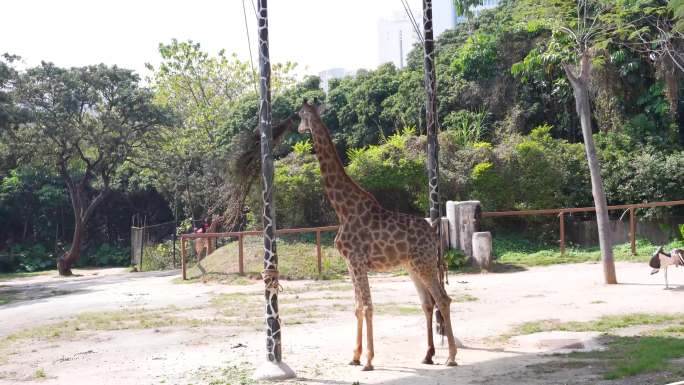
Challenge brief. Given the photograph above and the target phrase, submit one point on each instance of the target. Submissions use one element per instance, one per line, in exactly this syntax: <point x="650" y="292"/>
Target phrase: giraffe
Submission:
<point x="371" y="238"/>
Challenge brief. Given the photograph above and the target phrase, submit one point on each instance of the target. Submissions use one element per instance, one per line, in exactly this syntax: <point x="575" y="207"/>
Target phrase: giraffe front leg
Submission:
<point x="356" y="360"/>
<point x="370" y="352"/>
<point x="667" y="286"/>
<point x="364" y="291"/>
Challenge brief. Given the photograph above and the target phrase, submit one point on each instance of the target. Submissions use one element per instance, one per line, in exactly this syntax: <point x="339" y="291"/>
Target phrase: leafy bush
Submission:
<point x="455" y="259"/>
<point x="27" y="259"/>
<point x="467" y="127"/>
<point x="477" y="58"/>
<point x="159" y="257"/>
<point x="301" y="200"/>
<point x="105" y="255"/>
<point x="489" y="187"/>
<point x="393" y="171"/>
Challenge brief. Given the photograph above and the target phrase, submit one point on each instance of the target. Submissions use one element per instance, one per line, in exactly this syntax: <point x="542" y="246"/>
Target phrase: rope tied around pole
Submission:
<point x="270" y="277"/>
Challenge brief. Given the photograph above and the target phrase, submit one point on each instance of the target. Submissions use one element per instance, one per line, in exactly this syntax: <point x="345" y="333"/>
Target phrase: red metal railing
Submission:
<point x="240" y="236"/>
<point x="561" y="214"/>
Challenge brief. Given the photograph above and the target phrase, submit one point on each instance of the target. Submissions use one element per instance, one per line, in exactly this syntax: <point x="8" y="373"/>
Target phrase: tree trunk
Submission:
<point x="580" y="87"/>
<point x="82" y="212"/>
<point x="65" y="261"/>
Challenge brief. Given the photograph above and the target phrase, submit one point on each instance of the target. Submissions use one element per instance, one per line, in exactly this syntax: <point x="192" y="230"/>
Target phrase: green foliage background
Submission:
<point x="509" y="132"/>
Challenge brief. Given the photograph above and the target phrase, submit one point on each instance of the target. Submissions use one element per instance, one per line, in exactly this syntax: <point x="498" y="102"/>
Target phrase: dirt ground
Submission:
<point x="318" y="327"/>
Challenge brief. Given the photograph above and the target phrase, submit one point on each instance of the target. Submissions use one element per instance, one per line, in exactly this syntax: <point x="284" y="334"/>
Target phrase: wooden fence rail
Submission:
<point x="487" y="214"/>
<point x="240" y="236"/>
<point x="562" y="211"/>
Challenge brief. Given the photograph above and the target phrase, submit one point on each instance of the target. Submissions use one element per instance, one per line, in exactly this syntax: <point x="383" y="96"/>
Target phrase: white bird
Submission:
<point x="661" y="259"/>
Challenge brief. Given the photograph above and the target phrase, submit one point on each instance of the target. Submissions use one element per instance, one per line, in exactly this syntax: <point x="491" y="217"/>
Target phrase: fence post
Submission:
<point x="241" y="256"/>
<point x="632" y="230"/>
<point x="561" y="215"/>
<point x="183" y="255"/>
<point x="142" y="247"/>
<point x="318" y="252"/>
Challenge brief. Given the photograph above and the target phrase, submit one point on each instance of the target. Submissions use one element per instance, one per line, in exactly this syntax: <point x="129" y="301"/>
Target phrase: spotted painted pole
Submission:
<point x="431" y="114"/>
<point x="273" y="368"/>
<point x="432" y="143"/>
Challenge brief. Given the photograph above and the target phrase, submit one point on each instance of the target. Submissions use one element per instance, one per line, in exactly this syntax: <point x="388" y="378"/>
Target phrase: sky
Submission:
<point x="316" y="34"/>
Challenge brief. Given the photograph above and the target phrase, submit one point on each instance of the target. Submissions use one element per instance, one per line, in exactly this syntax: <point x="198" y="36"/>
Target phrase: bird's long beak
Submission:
<point x="654" y="271"/>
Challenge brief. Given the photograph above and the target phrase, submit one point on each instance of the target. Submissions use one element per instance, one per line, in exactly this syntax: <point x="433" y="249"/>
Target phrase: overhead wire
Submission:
<point x="249" y="45"/>
<point x="413" y="21"/>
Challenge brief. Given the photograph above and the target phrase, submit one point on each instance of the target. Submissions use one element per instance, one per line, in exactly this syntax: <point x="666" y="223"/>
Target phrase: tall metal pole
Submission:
<point x="431" y="114"/>
<point x="432" y="144"/>
<point x="273" y="368"/>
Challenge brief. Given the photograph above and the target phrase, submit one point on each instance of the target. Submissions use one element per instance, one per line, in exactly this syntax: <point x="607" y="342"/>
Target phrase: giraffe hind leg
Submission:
<point x="443" y="304"/>
<point x="428" y="305"/>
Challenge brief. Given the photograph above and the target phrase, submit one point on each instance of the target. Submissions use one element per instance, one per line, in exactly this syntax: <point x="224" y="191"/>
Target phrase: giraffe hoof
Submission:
<point x="355" y="362"/>
<point x="367" y="368"/>
<point x="451" y="362"/>
<point x="427" y="361"/>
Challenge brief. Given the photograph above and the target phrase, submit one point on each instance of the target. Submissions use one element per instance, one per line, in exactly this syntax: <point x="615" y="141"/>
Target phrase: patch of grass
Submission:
<point x="112" y="320"/>
<point x="296" y="259"/>
<point x="465" y="297"/>
<point x="338" y="287"/>
<point x="40" y="374"/>
<point x="625" y="356"/>
<point x="603" y="324"/>
<point x="4" y="299"/>
<point x="629" y="356"/>
<point x="393" y="308"/>
<point x="11" y="276"/>
<point x="521" y="252"/>
<point x="231" y="375"/>
<point x="228" y="279"/>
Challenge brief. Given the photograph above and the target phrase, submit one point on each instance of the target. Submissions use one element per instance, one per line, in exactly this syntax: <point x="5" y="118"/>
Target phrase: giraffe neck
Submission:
<point x="346" y="196"/>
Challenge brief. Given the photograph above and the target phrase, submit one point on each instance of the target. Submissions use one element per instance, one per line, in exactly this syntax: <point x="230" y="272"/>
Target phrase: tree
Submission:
<point x="677" y="6"/>
<point x="215" y="99"/>
<point x="587" y="30"/>
<point x="84" y="124"/>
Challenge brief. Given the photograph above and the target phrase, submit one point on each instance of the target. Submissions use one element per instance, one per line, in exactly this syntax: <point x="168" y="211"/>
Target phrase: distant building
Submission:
<point x="444" y="13"/>
<point x="443" y="16"/>
<point x="333" y="73"/>
<point x="396" y="37"/>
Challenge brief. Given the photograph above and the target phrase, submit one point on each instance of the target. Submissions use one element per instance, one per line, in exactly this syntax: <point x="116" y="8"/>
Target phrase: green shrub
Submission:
<point x="28" y="259"/>
<point x="467" y="128"/>
<point x="300" y="197"/>
<point x="104" y="255"/>
<point x="489" y="187"/>
<point x="455" y="259"/>
<point x="477" y="58"/>
<point x="160" y="257"/>
<point x="393" y="171"/>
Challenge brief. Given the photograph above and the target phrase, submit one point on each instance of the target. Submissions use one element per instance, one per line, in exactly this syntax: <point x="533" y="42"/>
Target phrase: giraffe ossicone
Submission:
<point x="371" y="238"/>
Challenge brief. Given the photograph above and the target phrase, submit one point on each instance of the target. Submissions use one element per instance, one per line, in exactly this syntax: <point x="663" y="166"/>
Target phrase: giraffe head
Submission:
<point x="308" y="114"/>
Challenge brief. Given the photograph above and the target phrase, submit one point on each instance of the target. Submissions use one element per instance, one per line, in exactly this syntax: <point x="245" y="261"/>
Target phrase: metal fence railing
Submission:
<point x="240" y="235"/>
<point x="561" y="212"/>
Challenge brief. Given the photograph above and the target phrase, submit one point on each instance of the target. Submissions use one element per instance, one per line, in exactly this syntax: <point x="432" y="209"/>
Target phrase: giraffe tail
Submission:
<point x="440" y="323"/>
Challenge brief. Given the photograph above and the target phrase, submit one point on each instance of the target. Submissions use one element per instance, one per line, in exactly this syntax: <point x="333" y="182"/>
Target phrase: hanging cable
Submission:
<point x="249" y="46"/>
<point x="412" y="19"/>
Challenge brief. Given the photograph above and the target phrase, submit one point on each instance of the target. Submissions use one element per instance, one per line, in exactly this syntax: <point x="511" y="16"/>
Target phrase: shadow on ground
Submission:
<point x="16" y="293"/>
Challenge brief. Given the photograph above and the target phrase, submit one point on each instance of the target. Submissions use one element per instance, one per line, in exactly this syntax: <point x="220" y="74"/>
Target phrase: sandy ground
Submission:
<point x="317" y="351"/>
